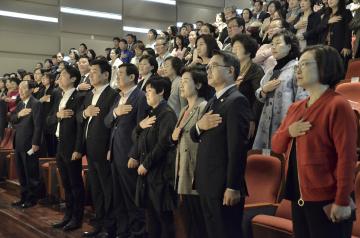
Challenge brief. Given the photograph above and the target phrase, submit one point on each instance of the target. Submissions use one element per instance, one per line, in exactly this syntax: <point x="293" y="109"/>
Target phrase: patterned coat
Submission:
<point x="277" y="103"/>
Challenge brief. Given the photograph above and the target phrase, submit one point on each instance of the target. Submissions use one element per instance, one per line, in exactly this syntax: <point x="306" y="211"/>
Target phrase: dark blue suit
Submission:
<point x="130" y="219"/>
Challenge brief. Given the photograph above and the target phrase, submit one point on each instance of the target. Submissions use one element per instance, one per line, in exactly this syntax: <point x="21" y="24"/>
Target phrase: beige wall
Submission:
<point x="23" y="43"/>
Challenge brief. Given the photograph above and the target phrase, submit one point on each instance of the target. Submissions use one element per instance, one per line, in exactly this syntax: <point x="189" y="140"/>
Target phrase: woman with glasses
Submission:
<point x="278" y="88"/>
<point x="320" y="148"/>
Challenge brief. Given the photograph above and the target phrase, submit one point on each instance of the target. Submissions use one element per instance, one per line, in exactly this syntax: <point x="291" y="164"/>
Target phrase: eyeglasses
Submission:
<point x="211" y="66"/>
<point x="301" y="65"/>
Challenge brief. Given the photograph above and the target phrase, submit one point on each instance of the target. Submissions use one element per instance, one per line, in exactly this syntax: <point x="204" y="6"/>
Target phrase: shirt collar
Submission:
<point x="100" y="90"/>
<point x="128" y="92"/>
<point x="26" y="101"/>
<point x="69" y="92"/>
<point x="222" y="91"/>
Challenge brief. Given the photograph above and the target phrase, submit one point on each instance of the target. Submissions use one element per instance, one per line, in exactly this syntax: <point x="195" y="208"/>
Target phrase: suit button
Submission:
<point x="186" y="150"/>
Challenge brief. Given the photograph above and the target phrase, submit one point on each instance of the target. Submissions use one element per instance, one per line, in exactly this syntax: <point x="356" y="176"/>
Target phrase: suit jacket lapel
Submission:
<point x="192" y="113"/>
<point x="102" y="96"/>
<point x="71" y="99"/>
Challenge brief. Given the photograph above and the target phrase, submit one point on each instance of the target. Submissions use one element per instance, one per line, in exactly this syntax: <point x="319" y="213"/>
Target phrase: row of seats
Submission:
<point x="280" y="225"/>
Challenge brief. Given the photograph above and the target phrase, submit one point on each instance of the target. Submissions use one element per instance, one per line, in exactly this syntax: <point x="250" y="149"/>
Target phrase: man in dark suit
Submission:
<point x="96" y="106"/>
<point x="28" y="120"/>
<point x="222" y="134"/>
<point x="128" y="110"/>
<point x="69" y="133"/>
<point x="84" y="67"/>
<point x="259" y="14"/>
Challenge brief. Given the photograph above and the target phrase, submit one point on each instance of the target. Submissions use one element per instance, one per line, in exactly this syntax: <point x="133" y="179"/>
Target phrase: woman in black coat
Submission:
<point x="156" y="156"/>
<point x="46" y="97"/>
<point x="306" y="24"/>
<point x="334" y="29"/>
<point x="245" y="48"/>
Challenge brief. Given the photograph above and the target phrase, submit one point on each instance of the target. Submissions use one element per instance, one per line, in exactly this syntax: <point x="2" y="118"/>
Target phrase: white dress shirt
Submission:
<point x="65" y="98"/>
<point x="95" y="99"/>
<point x="124" y="97"/>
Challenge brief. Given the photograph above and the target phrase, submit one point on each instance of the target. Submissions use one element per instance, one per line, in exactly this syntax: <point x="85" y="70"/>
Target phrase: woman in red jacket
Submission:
<point x="319" y="137"/>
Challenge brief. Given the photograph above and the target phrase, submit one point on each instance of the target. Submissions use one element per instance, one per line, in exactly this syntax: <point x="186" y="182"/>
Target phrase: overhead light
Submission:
<point x="137" y="29"/>
<point x="28" y="16"/>
<point x="91" y="13"/>
<point x="169" y="2"/>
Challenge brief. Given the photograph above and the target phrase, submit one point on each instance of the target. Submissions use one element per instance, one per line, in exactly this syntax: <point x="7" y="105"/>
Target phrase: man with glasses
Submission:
<point x="235" y="26"/>
<point x="222" y="134"/>
<point x="162" y="50"/>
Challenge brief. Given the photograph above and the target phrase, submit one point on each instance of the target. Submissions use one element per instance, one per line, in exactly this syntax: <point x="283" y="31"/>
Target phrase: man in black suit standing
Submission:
<point x="128" y="110"/>
<point x="84" y="68"/>
<point x="69" y="133"/>
<point x="222" y="134"/>
<point x="27" y="120"/>
<point x="96" y="106"/>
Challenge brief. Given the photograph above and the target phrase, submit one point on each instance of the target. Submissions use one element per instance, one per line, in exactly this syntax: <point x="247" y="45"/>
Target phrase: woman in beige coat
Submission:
<point x="194" y="88"/>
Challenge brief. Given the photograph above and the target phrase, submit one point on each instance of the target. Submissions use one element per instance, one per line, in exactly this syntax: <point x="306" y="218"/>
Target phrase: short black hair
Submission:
<point x="199" y="76"/>
<point x="230" y="60"/>
<point x="31" y="75"/>
<point x="74" y="73"/>
<point x="131" y="69"/>
<point x="83" y="44"/>
<point x="292" y="40"/>
<point x="116" y="39"/>
<point x="160" y="84"/>
<point x="84" y="57"/>
<point x="132" y="36"/>
<point x="210" y="43"/>
<point x="104" y="66"/>
<point x="31" y="84"/>
<point x="139" y="45"/>
<point x="174" y="30"/>
<point x="211" y="28"/>
<point x="199" y="22"/>
<point x="41" y="70"/>
<point x="259" y="1"/>
<point x="250" y="12"/>
<point x="154" y="32"/>
<point x="93" y="54"/>
<point x="53" y="56"/>
<point x="123" y="41"/>
<point x="51" y="78"/>
<point x="152" y="61"/>
<point x="15" y="80"/>
<point x="150" y="51"/>
<point x="249" y="43"/>
<point x="49" y="61"/>
<point x="277" y="5"/>
<point x="239" y="20"/>
<point x="329" y="62"/>
<point x="176" y="64"/>
<point x="183" y="42"/>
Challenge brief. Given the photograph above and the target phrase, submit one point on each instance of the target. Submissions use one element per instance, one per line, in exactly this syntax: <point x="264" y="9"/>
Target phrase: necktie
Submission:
<point x="83" y="78"/>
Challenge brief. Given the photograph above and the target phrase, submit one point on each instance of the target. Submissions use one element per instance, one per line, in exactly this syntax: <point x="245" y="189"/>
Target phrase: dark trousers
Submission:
<point x="70" y="173"/>
<point x="222" y="221"/>
<point x="50" y="144"/>
<point x="193" y="216"/>
<point x="310" y="221"/>
<point x="27" y="168"/>
<point x="101" y="191"/>
<point x="160" y="223"/>
<point x="130" y="220"/>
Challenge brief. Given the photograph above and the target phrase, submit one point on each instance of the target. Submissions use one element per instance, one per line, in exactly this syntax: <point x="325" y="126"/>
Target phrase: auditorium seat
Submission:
<point x="48" y="172"/>
<point x="277" y="226"/>
<point x="351" y="91"/>
<point x="353" y="69"/>
<point x="264" y="179"/>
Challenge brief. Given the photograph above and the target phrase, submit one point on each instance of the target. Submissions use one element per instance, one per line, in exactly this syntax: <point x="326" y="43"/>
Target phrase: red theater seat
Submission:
<point x="277" y="226"/>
